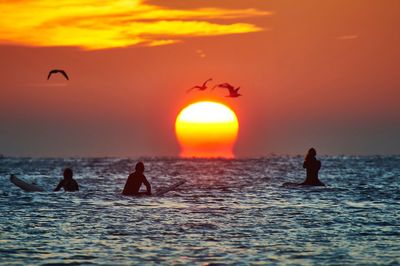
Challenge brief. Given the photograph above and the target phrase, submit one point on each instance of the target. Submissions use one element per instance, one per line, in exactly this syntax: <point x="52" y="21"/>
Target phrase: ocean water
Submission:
<point x="228" y="212"/>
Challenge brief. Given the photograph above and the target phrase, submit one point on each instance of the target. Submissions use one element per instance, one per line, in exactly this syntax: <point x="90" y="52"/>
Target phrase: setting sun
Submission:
<point x="207" y="129"/>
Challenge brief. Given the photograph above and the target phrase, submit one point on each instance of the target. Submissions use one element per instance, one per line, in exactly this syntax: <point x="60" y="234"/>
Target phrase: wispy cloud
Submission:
<point x="200" y="53"/>
<point x="94" y="24"/>
<point x="347" y="37"/>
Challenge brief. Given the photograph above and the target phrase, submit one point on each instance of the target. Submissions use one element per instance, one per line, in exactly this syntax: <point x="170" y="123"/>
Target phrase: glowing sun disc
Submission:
<point x="207" y="129"/>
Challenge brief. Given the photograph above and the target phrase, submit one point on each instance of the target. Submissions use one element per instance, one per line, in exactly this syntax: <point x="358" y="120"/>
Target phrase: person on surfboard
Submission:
<point x="135" y="181"/>
<point x="68" y="183"/>
<point x="312" y="165"/>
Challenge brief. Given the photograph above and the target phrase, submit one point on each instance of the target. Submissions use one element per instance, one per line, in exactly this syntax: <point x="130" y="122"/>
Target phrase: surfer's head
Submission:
<point x="311" y="153"/>
<point x="68" y="173"/>
<point x="139" y="167"/>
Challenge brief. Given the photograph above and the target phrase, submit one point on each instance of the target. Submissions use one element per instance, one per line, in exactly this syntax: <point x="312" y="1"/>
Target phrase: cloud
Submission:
<point x="200" y="53"/>
<point x="347" y="37"/>
<point x="93" y="24"/>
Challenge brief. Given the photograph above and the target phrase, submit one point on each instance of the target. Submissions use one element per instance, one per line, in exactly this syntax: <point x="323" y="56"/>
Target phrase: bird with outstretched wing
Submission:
<point x="54" y="71"/>
<point x="201" y="87"/>
<point x="233" y="93"/>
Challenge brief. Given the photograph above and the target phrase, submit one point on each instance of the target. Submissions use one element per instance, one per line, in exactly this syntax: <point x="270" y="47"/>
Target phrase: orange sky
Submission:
<point x="313" y="73"/>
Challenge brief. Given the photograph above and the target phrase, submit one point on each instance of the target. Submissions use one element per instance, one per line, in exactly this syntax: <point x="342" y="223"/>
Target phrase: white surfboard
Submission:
<point x="162" y="191"/>
<point x="24" y="185"/>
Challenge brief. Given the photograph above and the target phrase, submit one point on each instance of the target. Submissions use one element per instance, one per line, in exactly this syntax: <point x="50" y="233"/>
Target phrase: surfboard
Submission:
<point x="298" y="185"/>
<point x="162" y="191"/>
<point x="291" y="185"/>
<point x="24" y="185"/>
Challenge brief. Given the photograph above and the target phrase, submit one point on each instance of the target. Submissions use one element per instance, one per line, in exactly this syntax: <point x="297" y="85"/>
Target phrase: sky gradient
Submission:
<point x="312" y="73"/>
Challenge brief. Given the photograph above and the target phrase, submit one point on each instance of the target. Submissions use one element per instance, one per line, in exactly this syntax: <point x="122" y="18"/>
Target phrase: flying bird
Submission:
<point x="233" y="93"/>
<point x="54" y="71"/>
<point x="202" y="87"/>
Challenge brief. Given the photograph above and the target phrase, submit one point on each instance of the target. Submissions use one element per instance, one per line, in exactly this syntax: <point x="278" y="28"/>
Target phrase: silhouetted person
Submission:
<point x="312" y="165"/>
<point x="135" y="181"/>
<point x="68" y="183"/>
<point x="54" y="71"/>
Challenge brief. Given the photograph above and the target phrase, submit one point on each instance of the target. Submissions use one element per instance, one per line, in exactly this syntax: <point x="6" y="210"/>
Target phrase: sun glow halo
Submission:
<point x="207" y="129"/>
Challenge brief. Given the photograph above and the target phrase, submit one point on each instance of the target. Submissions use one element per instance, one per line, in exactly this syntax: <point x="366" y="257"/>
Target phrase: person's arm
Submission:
<point x="147" y="184"/>
<point x="305" y="164"/>
<point x="77" y="186"/>
<point x="127" y="190"/>
<point x="60" y="185"/>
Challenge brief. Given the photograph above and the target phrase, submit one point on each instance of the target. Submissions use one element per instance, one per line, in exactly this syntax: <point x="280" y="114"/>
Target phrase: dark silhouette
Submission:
<point x="134" y="182"/>
<point x="202" y="87"/>
<point x="54" y="71"/>
<point x="312" y="165"/>
<point x="233" y="93"/>
<point x="68" y="183"/>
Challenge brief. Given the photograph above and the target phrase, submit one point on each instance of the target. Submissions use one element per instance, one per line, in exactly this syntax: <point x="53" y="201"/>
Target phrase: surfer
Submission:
<point x="68" y="183"/>
<point x="312" y="165"/>
<point x="134" y="182"/>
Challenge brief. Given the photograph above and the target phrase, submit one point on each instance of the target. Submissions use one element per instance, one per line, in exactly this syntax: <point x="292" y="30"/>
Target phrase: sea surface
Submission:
<point x="229" y="212"/>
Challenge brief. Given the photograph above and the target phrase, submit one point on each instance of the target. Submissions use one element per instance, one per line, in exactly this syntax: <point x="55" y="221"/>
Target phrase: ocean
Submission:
<point x="229" y="212"/>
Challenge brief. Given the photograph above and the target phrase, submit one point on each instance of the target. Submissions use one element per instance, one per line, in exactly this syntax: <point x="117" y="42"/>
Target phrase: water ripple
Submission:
<point x="228" y="212"/>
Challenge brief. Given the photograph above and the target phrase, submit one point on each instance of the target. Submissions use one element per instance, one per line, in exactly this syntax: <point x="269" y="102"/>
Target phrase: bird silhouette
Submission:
<point x="54" y="71"/>
<point x="233" y="93"/>
<point x="202" y="87"/>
